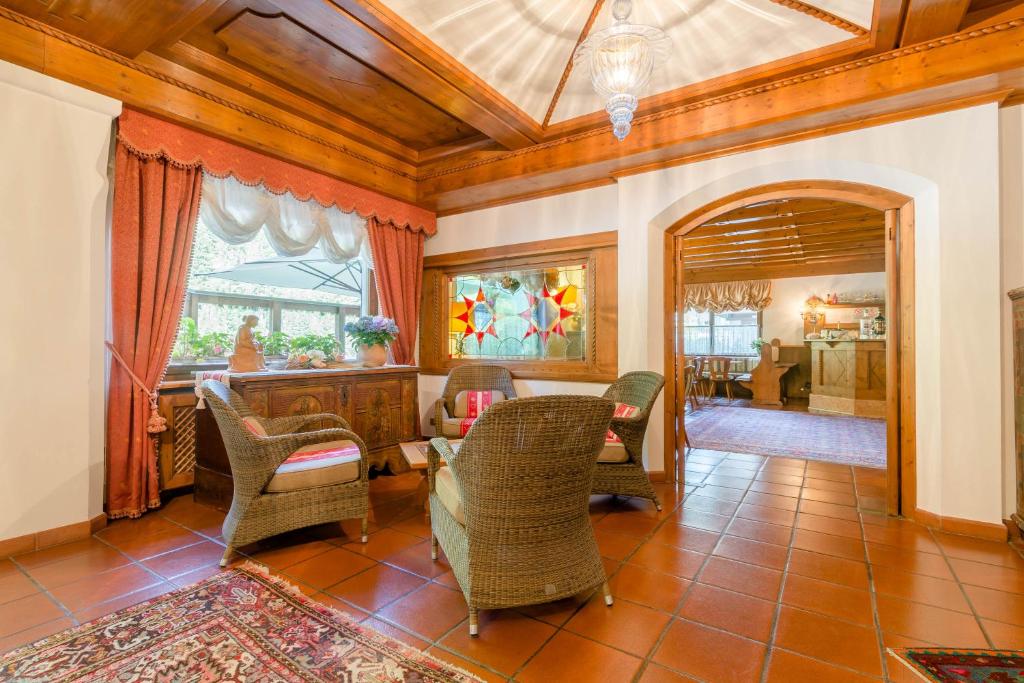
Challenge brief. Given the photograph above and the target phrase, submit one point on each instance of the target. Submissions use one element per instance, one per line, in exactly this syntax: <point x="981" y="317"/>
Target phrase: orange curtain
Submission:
<point x="156" y="203"/>
<point x="398" y="271"/>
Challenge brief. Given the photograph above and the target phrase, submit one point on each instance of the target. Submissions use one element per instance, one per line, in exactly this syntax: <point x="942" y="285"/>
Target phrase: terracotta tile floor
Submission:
<point x="768" y="569"/>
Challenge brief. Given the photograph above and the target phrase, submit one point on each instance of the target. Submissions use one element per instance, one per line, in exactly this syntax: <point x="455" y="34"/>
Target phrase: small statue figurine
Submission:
<point x="248" y="354"/>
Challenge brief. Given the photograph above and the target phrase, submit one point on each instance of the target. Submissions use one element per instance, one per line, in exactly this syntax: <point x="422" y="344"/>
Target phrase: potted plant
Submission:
<point x="312" y="351"/>
<point x="274" y="344"/>
<point x="372" y="334"/>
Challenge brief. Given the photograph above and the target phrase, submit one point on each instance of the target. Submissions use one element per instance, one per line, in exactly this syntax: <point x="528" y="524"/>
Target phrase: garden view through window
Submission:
<point x="228" y="281"/>
<point x="730" y="333"/>
<point x="519" y="314"/>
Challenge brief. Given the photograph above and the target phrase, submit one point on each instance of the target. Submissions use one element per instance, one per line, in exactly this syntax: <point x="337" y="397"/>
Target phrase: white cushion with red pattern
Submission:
<point x="621" y="410"/>
<point x="254" y="425"/>
<point x="321" y="464"/>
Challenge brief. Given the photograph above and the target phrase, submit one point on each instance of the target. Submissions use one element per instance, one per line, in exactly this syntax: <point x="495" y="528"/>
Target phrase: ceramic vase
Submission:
<point x="372" y="356"/>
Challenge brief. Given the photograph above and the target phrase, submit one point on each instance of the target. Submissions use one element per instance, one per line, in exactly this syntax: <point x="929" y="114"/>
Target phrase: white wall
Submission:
<point x="782" y="318"/>
<point x="1011" y="191"/>
<point x="54" y="151"/>
<point x="949" y="163"/>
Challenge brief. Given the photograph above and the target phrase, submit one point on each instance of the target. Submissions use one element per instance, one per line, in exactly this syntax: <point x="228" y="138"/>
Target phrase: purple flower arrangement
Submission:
<point x="369" y="330"/>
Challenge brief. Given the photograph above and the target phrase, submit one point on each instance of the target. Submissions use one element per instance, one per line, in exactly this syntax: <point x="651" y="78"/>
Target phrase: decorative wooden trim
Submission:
<point x="822" y="15"/>
<point x="568" y="64"/>
<point x="901" y="397"/>
<point x="656" y="476"/>
<point x="600" y="253"/>
<point x="557" y="245"/>
<point x="51" y="537"/>
<point x="965" y="527"/>
<point x="528" y="196"/>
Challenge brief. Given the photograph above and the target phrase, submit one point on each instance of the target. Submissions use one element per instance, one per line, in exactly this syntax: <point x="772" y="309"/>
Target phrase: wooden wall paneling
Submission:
<point x="420" y="73"/>
<point x="907" y="359"/>
<point x="303" y="61"/>
<point x="598" y="251"/>
<point x="292" y="139"/>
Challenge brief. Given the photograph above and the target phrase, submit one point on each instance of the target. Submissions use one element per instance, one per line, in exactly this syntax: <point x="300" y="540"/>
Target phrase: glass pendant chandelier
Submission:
<point x="621" y="59"/>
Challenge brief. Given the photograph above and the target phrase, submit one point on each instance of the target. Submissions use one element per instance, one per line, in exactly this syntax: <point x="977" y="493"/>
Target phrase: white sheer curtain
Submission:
<point x="236" y="213"/>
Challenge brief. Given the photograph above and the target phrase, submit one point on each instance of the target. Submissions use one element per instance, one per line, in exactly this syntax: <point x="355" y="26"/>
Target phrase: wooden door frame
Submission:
<point x="901" y="432"/>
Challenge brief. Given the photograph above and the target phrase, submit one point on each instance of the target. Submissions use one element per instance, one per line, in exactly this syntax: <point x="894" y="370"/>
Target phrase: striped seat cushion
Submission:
<point x="621" y="410"/>
<point x="322" y="464"/>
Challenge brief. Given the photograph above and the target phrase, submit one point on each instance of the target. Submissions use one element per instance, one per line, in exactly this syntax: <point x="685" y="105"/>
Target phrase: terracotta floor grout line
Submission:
<point x="45" y="591"/>
<point x="872" y="593"/>
<point x="963" y="591"/>
<point x="773" y="629"/>
<point x="686" y="593"/>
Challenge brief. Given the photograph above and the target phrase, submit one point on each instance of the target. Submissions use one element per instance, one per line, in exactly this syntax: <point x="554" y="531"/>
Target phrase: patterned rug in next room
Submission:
<point x="845" y="440"/>
<point x="239" y="625"/>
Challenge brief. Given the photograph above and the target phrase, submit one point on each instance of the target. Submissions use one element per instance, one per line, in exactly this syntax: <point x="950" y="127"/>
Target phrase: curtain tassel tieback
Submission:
<point x="156" y="422"/>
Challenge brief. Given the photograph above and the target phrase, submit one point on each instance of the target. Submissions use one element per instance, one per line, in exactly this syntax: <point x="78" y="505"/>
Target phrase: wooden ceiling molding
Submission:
<point x="822" y="15"/>
<point x="349" y="88"/>
<point x="785" y="238"/>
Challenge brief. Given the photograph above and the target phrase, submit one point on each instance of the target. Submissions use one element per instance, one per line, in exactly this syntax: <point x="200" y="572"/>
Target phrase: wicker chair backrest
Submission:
<point x="639" y="388"/>
<point x="527" y="467"/>
<point x="476" y="378"/>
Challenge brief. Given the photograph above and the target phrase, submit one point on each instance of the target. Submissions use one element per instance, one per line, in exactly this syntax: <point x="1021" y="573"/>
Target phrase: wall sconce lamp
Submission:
<point x="812" y="310"/>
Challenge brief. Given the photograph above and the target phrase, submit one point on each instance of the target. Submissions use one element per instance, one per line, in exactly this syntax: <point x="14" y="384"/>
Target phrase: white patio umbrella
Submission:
<point x="309" y="271"/>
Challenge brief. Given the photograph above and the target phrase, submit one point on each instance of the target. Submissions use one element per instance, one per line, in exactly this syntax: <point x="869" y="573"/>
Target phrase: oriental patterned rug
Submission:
<point x="239" y="625"/>
<point x="958" y="666"/>
<point x="845" y="440"/>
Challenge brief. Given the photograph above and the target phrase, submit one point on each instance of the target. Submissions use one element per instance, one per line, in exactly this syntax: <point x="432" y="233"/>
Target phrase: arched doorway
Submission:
<point x="900" y="400"/>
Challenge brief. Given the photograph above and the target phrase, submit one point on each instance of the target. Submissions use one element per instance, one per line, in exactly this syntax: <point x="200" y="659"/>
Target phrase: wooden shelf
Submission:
<point x="857" y="304"/>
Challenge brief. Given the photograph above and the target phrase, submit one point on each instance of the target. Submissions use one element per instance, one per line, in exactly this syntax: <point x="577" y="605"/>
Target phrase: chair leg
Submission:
<point x="366" y="526"/>
<point x="474" y="625"/>
<point x="227" y="556"/>
<point x="433" y="547"/>
<point x="607" y="594"/>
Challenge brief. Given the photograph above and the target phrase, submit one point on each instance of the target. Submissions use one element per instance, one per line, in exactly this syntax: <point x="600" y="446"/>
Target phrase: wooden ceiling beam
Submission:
<point x="887" y="22"/>
<point x="871" y="265"/>
<point x="928" y="19"/>
<point x="788" y="237"/>
<point x="371" y="32"/>
<point x="833" y="215"/>
<point x="785" y="207"/>
<point x="718" y="231"/>
<point x="802" y="255"/>
<point x="589" y="24"/>
<point x="947" y="73"/>
<point x="864" y="239"/>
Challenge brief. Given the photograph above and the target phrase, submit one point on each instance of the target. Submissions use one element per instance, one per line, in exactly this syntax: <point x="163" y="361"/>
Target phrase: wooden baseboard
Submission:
<point x="51" y="537"/>
<point x="656" y="476"/>
<point x="964" y="527"/>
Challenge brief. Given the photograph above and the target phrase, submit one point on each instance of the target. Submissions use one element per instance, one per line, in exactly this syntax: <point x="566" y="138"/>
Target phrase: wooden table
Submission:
<point x="415" y="454"/>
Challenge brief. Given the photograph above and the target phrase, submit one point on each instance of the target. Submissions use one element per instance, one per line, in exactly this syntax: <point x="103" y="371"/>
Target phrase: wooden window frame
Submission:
<point x="599" y="251"/>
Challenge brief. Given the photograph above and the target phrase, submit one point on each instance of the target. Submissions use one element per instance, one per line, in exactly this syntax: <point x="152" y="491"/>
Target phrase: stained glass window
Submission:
<point x="519" y="314"/>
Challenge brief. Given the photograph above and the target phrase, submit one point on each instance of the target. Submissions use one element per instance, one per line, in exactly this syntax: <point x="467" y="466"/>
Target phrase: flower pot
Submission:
<point x="372" y="356"/>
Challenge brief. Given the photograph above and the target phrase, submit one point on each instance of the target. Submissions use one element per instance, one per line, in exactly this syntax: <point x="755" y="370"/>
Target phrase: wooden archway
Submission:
<point x="899" y="267"/>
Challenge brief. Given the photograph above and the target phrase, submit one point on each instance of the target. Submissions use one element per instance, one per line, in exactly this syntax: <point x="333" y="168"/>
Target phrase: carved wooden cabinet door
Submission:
<point x="177" y="455"/>
<point x="286" y="401"/>
<point x="378" y="411"/>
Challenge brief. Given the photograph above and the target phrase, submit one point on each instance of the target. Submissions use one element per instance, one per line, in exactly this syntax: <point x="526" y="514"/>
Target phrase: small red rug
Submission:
<point x="845" y="440"/>
<point x="239" y="625"/>
<point x="958" y="666"/>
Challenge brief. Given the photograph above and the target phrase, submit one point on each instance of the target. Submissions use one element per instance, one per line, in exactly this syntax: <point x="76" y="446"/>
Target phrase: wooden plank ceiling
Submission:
<point x="352" y="89"/>
<point x="786" y="238"/>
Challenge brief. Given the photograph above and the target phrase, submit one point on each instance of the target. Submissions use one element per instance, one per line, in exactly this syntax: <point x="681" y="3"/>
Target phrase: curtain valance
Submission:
<point x="150" y="137"/>
<point x="719" y="297"/>
<point x="237" y="213"/>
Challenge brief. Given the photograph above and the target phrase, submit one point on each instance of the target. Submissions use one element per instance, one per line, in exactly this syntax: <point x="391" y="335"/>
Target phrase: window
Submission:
<point x="720" y="334"/>
<point x="228" y="281"/>
<point x="544" y="310"/>
<point x="529" y="314"/>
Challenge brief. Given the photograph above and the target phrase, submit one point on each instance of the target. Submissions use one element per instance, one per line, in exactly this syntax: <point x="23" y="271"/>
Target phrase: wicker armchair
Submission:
<point x="625" y="475"/>
<point x="511" y="509"/>
<point x="469" y="378"/>
<point x="272" y="496"/>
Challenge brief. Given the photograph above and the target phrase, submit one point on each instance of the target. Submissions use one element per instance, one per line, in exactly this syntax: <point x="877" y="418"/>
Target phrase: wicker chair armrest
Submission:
<point x="440" y="414"/>
<point x="298" y="423"/>
<point x="440" y="449"/>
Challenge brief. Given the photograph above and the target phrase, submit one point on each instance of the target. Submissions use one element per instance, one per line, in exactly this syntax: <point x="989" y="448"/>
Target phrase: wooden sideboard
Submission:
<point x="379" y="403"/>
